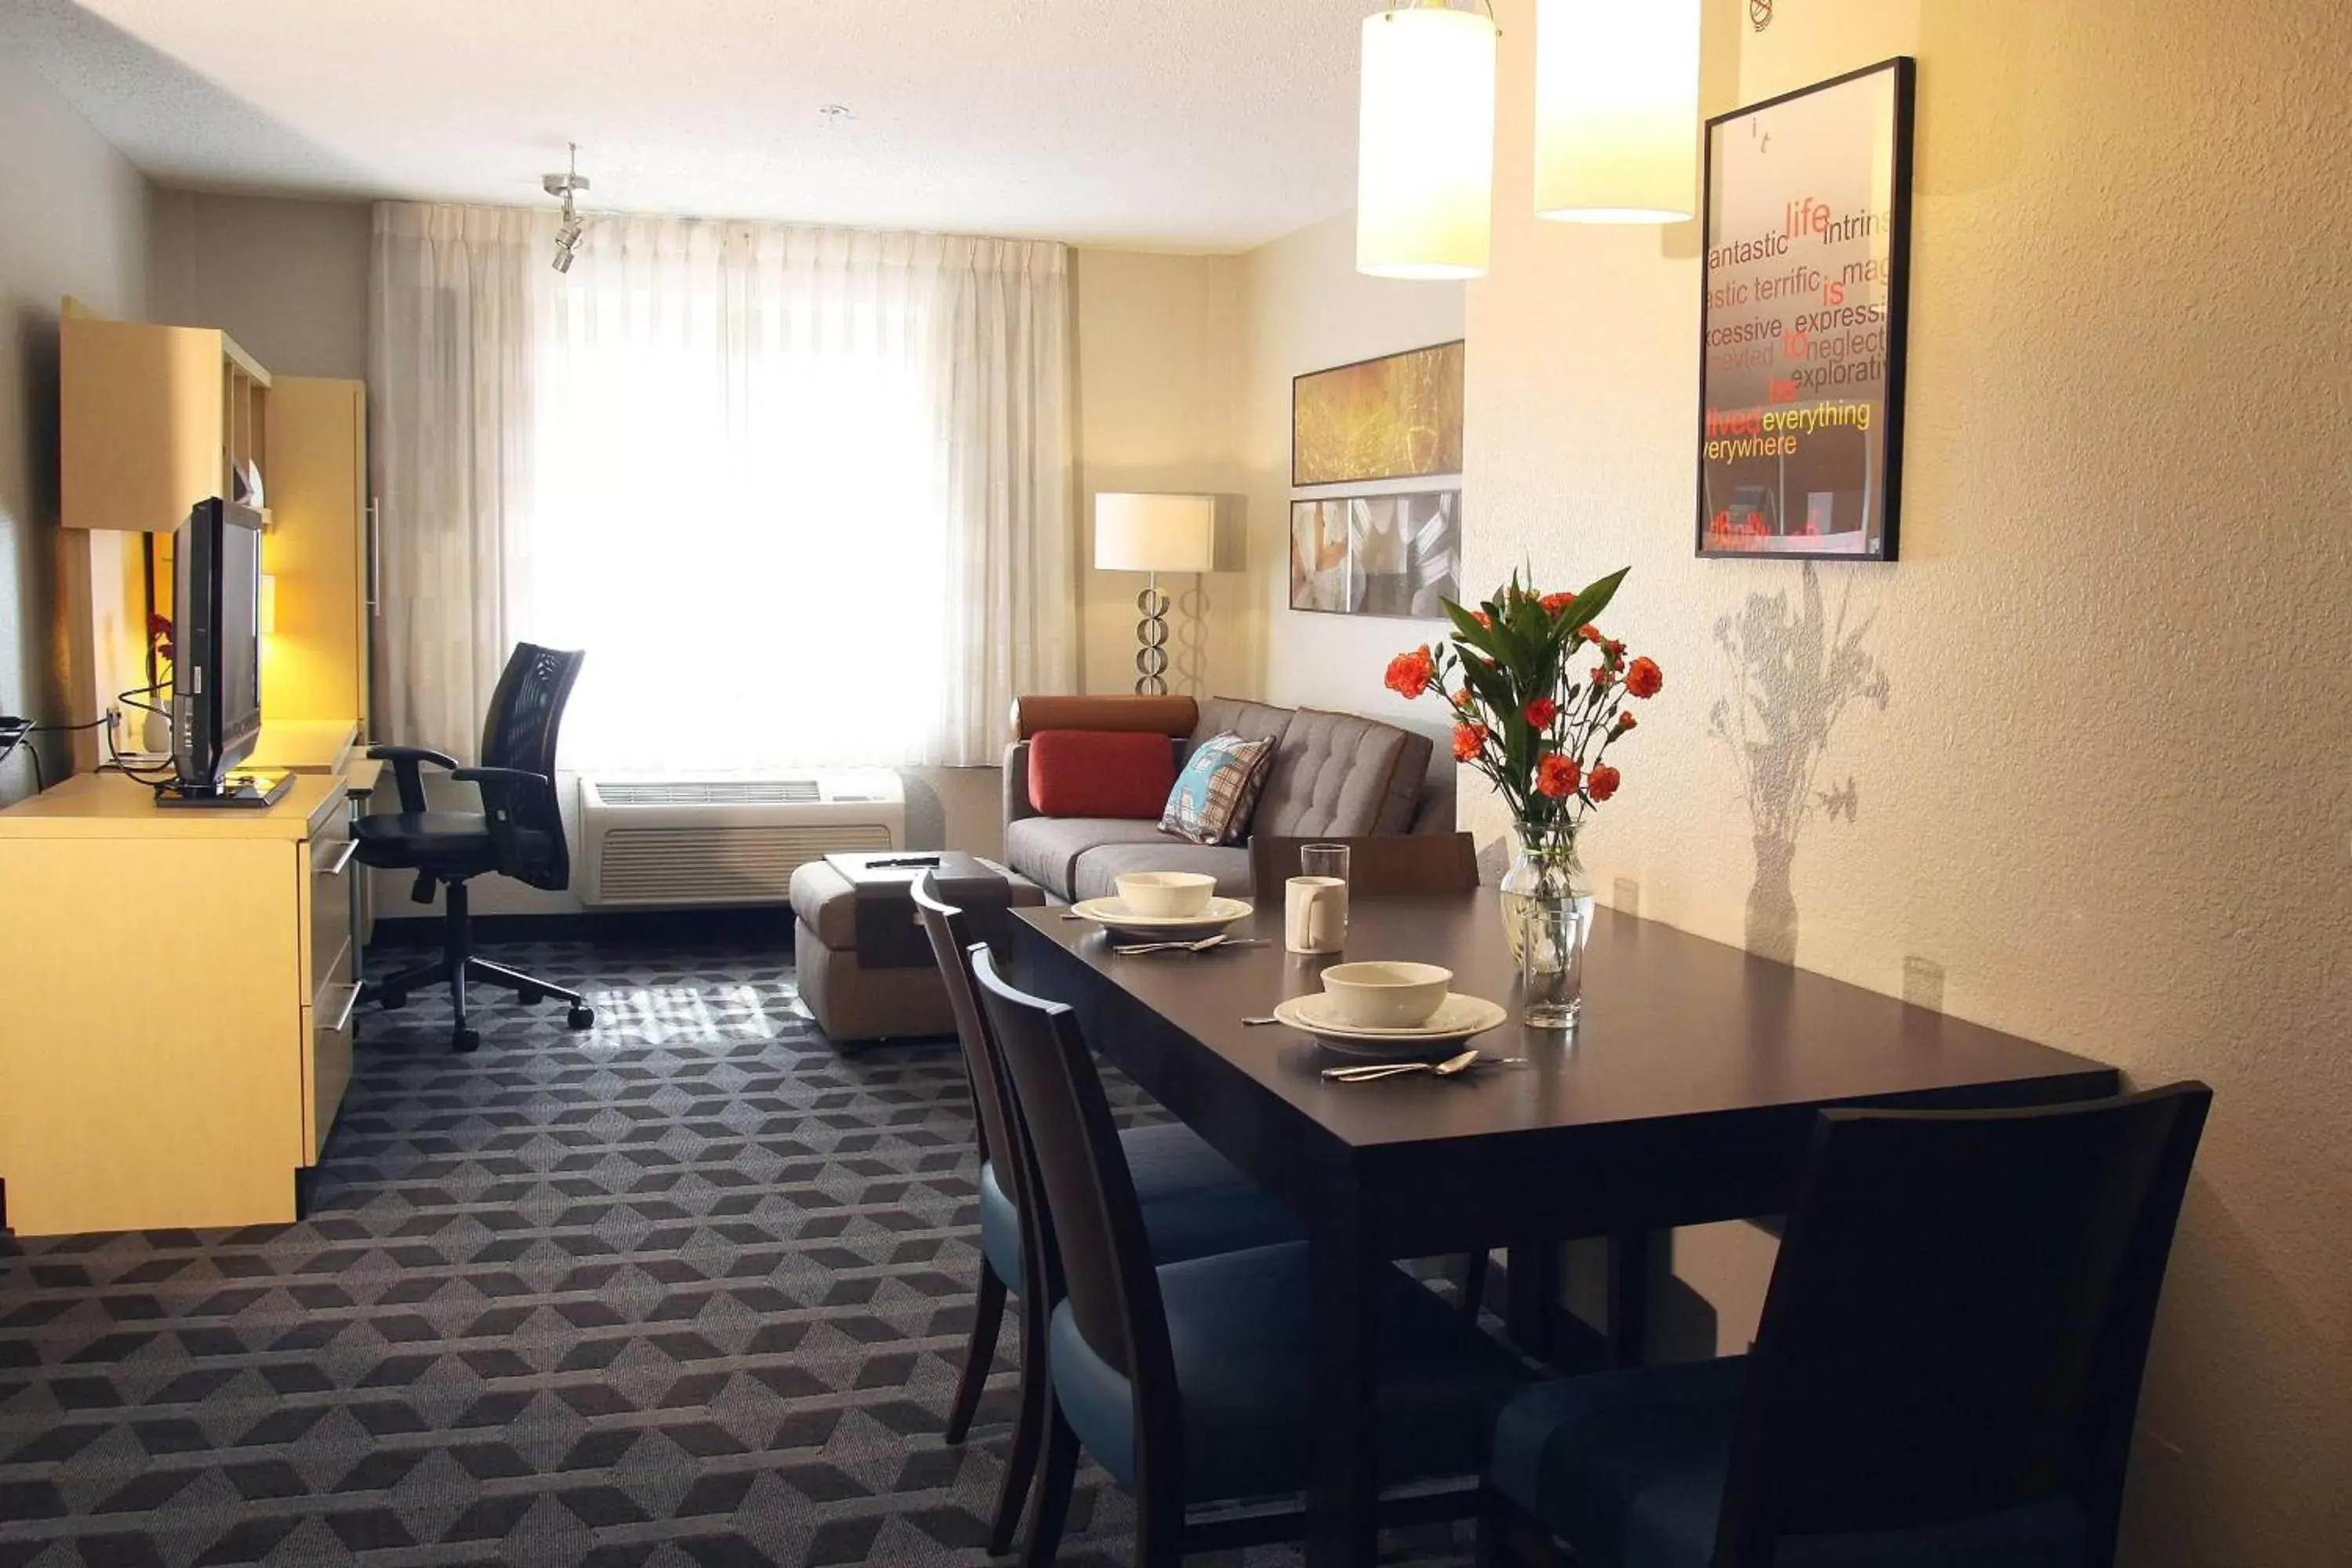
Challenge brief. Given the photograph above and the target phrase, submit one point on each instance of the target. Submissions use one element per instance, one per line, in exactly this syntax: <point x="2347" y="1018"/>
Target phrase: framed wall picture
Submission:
<point x="1397" y="417"/>
<point x="1804" y="313"/>
<point x="1389" y="554"/>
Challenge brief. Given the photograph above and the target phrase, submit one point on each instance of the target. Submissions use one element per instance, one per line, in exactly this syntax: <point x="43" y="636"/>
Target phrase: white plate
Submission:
<point x="1112" y="915"/>
<point x="1457" y="1019"/>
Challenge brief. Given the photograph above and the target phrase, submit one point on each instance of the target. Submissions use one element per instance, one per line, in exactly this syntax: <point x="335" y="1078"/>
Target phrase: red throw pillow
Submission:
<point x="1100" y="773"/>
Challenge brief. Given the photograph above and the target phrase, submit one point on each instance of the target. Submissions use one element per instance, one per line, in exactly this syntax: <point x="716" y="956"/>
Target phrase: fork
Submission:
<point x="1203" y="945"/>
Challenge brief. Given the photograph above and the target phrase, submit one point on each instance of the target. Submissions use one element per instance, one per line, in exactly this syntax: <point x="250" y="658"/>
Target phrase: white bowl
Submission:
<point x="1385" y="994"/>
<point x="1166" y="895"/>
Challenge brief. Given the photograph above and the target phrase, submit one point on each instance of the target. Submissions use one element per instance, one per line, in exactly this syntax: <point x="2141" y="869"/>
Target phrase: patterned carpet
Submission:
<point x="690" y="1288"/>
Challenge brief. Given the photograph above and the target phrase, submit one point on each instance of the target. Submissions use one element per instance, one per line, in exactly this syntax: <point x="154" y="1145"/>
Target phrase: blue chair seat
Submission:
<point x="1628" y="1468"/>
<point x="1241" y="1328"/>
<point x="1195" y="1202"/>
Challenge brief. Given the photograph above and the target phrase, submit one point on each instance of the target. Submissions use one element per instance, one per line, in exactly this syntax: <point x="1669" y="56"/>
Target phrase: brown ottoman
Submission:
<point x="863" y="966"/>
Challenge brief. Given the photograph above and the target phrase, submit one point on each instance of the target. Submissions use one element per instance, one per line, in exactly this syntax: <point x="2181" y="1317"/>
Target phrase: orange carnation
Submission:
<point x="1469" y="739"/>
<point x="1410" y="673"/>
<point x="1601" y="781"/>
<point x="1644" y="678"/>
<point x="1589" y="632"/>
<point x="1556" y="776"/>
<point x="1624" y="722"/>
<point x="1542" y="712"/>
<point x="1554" y="603"/>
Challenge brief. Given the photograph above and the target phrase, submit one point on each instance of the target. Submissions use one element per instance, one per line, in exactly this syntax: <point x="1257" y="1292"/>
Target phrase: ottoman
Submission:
<point x="863" y="967"/>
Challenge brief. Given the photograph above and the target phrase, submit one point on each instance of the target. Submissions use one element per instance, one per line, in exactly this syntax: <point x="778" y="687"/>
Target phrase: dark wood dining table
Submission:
<point x="1686" y="1095"/>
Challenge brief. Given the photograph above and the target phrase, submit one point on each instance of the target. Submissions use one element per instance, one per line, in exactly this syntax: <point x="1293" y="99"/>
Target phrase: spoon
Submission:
<point x="1446" y="1069"/>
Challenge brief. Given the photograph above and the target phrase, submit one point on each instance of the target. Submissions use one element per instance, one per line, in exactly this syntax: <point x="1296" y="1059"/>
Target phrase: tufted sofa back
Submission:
<point x="1342" y="775"/>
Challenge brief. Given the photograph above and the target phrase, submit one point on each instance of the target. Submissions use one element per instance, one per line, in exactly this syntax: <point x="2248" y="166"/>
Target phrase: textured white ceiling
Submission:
<point x="1178" y="124"/>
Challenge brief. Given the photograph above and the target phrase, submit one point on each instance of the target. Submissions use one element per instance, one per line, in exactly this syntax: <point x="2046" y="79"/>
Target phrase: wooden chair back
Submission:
<point x="951" y="941"/>
<point x="1959" y="1318"/>
<point x="1082" y="1208"/>
<point x="1394" y="865"/>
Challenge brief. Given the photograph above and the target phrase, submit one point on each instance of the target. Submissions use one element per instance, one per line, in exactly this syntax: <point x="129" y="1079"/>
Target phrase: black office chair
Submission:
<point x="519" y="833"/>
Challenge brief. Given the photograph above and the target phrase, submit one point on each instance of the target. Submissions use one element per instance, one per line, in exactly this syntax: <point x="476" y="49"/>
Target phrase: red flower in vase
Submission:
<point x="1556" y="776"/>
<point x="1644" y="678"/>
<point x="1542" y="712"/>
<point x="1601" y="781"/>
<point x="1410" y="673"/>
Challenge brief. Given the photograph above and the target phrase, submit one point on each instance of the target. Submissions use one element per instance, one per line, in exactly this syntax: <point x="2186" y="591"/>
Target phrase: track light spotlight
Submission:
<point x="569" y="232"/>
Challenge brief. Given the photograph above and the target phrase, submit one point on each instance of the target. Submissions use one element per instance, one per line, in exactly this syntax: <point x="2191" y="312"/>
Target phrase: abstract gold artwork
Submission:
<point x="1393" y="418"/>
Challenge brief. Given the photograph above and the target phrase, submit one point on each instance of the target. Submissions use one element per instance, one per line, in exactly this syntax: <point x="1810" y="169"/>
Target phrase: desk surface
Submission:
<point x="110" y="806"/>
<point x="304" y="746"/>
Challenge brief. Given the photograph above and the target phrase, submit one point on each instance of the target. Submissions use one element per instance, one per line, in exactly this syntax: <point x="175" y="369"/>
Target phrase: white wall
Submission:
<point x="2106" y="803"/>
<point x="1158" y="368"/>
<point x="73" y="220"/>
<point x="1309" y="308"/>
<point x="287" y="280"/>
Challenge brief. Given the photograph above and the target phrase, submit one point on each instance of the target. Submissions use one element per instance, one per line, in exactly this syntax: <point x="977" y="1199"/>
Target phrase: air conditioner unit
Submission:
<point x="651" y="841"/>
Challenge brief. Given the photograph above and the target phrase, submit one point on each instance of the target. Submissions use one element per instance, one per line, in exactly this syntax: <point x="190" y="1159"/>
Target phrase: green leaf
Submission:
<point x="1466" y="628"/>
<point x="1586" y="608"/>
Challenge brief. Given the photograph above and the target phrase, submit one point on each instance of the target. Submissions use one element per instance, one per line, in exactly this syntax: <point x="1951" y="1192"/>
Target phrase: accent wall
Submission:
<point x="2080" y="766"/>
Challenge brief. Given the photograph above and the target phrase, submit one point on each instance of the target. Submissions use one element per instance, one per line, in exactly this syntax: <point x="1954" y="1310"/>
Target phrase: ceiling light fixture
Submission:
<point x="569" y="231"/>
<point x="1425" y="153"/>
<point x="1617" y="110"/>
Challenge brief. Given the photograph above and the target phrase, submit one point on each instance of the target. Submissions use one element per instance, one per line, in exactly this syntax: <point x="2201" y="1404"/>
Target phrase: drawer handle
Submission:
<point x="343" y="1019"/>
<point x="342" y="860"/>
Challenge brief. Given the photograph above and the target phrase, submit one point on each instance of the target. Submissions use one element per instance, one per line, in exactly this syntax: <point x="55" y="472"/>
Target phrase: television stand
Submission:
<point x="250" y="790"/>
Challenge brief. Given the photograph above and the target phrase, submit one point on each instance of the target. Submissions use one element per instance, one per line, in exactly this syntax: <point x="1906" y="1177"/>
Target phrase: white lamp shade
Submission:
<point x="1617" y="110"/>
<point x="1143" y="532"/>
<point x="1425" y="155"/>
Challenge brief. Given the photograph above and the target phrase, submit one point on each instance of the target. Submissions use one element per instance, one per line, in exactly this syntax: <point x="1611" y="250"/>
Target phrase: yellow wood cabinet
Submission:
<point x="179" y="1029"/>
<point x="314" y="661"/>
<point x="152" y="420"/>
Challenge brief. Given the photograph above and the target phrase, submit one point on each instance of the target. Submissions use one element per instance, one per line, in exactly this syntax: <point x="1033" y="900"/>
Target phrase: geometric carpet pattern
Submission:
<point x="689" y="1288"/>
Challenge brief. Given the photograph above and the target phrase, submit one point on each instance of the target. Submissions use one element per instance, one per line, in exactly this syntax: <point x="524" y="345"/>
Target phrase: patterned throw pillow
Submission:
<point x="1217" y="790"/>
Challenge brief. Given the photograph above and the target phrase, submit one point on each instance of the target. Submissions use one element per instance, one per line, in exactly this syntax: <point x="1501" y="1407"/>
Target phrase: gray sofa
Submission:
<point x="1333" y="774"/>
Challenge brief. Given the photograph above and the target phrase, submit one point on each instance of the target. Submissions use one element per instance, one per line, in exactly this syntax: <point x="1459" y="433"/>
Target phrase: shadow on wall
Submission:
<point x="1793" y="675"/>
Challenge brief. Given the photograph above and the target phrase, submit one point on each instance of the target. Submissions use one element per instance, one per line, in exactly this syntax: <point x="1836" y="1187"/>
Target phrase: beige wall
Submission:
<point x="1309" y="308"/>
<point x="287" y="280"/>
<point x="2103" y="802"/>
<point x="72" y="221"/>
<point x="1159" y="353"/>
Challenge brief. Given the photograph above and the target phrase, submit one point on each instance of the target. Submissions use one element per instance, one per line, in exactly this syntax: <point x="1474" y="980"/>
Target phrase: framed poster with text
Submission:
<point x="1804" y="317"/>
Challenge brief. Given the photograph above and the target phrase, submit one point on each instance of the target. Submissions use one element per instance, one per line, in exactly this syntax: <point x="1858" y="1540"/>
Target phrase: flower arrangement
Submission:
<point x="1526" y="715"/>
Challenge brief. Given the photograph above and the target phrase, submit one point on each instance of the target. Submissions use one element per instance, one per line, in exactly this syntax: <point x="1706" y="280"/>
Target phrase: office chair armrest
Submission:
<point x="503" y="791"/>
<point x="405" y="772"/>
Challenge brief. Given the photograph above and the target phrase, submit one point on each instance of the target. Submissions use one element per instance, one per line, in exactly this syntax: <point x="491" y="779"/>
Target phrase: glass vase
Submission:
<point x="1544" y="875"/>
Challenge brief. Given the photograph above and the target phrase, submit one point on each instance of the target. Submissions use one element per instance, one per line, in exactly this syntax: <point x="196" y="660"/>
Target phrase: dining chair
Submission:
<point x="1387" y="866"/>
<point x="1189" y="1382"/>
<point x="1946" y="1373"/>
<point x="1194" y="1201"/>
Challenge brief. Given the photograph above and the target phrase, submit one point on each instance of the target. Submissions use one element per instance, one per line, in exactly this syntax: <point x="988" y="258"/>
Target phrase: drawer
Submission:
<point x="327" y="1030"/>
<point x="329" y="895"/>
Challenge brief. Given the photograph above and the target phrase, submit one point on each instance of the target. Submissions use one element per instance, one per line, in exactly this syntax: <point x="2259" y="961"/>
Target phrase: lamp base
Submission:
<point x="1151" y="640"/>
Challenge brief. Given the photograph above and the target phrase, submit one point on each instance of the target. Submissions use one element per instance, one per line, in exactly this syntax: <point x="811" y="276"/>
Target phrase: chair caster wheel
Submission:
<point x="464" y="1040"/>
<point x="582" y="1016"/>
<point x="531" y="998"/>
<point x="394" y="1000"/>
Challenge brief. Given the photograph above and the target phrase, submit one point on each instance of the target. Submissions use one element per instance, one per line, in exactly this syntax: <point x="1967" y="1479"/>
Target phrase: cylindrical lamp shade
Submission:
<point x="1141" y="533"/>
<point x="1425" y="155"/>
<point x="1617" y="110"/>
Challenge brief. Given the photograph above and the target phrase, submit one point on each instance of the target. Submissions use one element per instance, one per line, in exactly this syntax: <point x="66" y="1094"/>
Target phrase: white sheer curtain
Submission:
<point x="803" y="494"/>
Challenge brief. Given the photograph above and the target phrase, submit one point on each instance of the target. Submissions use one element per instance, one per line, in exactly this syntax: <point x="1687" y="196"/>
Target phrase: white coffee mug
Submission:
<point x="1315" y="914"/>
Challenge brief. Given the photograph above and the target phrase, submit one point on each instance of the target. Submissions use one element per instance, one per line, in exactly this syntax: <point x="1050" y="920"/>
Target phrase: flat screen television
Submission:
<point x="216" y="648"/>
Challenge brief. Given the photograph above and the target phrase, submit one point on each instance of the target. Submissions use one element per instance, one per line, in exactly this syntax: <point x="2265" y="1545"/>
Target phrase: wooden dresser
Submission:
<point x="176" y="990"/>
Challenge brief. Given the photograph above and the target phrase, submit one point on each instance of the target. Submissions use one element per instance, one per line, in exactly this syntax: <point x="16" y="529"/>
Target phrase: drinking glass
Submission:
<point x="1323" y="860"/>
<point x="1551" y="967"/>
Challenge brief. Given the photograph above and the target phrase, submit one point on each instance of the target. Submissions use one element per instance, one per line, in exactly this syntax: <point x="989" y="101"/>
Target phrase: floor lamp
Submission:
<point x="1151" y="534"/>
